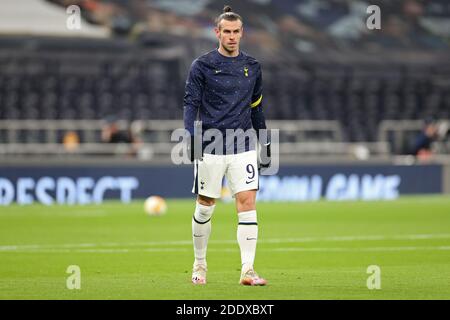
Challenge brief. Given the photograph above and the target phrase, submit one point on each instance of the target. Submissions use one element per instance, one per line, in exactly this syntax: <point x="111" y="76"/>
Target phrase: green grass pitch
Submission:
<point x="315" y="250"/>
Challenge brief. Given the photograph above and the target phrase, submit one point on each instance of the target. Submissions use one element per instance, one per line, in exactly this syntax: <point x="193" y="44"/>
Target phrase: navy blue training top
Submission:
<point x="224" y="91"/>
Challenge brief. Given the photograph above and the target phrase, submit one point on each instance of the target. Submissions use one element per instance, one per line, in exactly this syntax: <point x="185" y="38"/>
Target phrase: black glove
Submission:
<point x="265" y="156"/>
<point x="190" y="149"/>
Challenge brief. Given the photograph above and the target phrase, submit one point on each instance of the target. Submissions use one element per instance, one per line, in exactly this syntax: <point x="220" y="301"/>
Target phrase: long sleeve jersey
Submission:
<point x="226" y="92"/>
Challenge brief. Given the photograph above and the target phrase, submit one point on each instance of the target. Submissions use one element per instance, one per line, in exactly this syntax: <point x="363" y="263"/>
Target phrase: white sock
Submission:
<point x="247" y="235"/>
<point x="201" y="229"/>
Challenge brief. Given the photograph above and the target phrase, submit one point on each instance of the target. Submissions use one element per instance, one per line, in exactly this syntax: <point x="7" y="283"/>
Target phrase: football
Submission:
<point x="155" y="206"/>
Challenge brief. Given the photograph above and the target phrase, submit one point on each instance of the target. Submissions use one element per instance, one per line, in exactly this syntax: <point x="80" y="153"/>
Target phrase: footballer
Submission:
<point x="224" y="91"/>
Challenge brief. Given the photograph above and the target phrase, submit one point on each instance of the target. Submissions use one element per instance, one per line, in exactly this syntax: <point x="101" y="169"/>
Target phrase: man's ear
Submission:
<point x="217" y="31"/>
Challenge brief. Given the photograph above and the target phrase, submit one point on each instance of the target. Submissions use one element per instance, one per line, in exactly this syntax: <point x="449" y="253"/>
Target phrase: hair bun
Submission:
<point x="227" y="9"/>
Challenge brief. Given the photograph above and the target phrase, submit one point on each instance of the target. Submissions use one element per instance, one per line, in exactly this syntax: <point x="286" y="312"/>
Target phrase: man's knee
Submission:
<point x="246" y="205"/>
<point x="246" y="201"/>
<point x="206" y="201"/>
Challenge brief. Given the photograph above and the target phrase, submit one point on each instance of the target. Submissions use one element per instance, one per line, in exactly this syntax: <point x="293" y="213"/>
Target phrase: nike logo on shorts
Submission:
<point x="247" y="182"/>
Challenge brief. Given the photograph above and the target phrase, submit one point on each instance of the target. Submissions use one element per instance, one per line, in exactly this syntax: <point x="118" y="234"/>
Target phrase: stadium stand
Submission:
<point x="315" y="68"/>
<point x="53" y="80"/>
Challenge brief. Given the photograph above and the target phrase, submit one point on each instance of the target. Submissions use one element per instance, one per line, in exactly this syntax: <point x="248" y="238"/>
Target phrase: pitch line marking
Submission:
<point x="87" y="246"/>
<point x="186" y="242"/>
<point x="337" y="249"/>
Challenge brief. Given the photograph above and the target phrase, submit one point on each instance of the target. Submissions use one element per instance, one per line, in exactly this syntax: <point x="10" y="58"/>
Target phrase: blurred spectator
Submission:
<point x="423" y="142"/>
<point x="277" y="26"/>
<point x="111" y="133"/>
<point x="71" y="141"/>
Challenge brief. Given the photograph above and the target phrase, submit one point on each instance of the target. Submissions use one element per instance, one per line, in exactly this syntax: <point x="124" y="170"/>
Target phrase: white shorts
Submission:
<point x="240" y="170"/>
